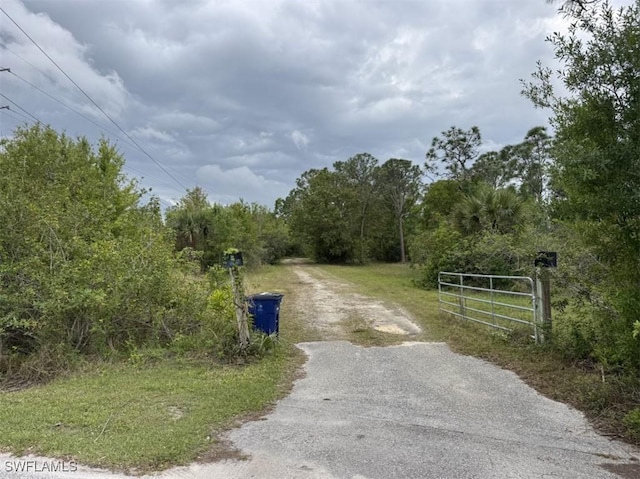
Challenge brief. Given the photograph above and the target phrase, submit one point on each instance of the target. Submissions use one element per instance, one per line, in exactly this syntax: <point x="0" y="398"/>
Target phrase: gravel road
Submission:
<point x="416" y="410"/>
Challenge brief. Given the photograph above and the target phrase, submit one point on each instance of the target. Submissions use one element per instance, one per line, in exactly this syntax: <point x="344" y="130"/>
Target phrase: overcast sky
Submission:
<point x="241" y="97"/>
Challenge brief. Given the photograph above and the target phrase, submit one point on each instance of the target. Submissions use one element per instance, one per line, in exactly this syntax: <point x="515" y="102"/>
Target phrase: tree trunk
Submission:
<point x="362" y="239"/>
<point x="403" y="258"/>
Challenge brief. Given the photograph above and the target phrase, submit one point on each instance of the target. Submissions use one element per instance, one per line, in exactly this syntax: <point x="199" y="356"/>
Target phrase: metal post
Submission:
<point x="534" y="306"/>
<point x="493" y="317"/>
<point x="439" y="293"/>
<point x="462" y="311"/>
<point x="546" y="303"/>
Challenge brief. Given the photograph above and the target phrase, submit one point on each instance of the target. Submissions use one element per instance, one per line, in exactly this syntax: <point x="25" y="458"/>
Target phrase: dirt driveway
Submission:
<point x="412" y="410"/>
<point x="332" y="307"/>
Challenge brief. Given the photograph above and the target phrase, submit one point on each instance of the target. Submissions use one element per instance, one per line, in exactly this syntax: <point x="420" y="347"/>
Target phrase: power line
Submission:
<point x="23" y="59"/>
<point x="68" y="107"/>
<point x="102" y="127"/>
<point x="42" y="72"/>
<point x="92" y="101"/>
<point x="5" y="110"/>
<point x="18" y="113"/>
<point x="19" y="107"/>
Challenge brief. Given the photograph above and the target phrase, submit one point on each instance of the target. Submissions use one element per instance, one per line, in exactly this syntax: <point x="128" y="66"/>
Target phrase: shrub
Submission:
<point x="487" y="252"/>
<point x="85" y="268"/>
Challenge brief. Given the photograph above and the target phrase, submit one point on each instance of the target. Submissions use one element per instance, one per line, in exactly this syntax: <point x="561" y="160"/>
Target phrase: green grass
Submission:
<point x="137" y="417"/>
<point x="280" y="279"/>
<point x="148" y="416"/>
<point x="546" y="369"/>
<point x="394" y="283"/>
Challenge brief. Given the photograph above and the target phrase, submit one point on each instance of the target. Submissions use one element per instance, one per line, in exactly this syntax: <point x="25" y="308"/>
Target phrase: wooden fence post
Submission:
<point x="240" y="303"/>
<point x="543" y="293"/>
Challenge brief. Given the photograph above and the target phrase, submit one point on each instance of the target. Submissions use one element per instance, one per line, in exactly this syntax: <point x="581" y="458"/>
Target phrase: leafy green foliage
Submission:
<point x="211" y="228"/>
<point x="319" y="214"/>
<point x="401" y="182"/>
<point x="488" y="209"/>
<point x="439" y="201"/>
<point x="595" y="179"/>
<point x="632" y="421"/>
<point x="355" y="212"/>
<point x="433" y="250"/>
<point x="85" y="268"/>
<point x="360" y="173"/>
<point x="495" y="168"/>
<point x="487" y="252"/>
<point x="533" y="162"/>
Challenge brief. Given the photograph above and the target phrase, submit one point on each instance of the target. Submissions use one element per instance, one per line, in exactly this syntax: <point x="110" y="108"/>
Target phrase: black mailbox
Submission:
<point x="233" y="259"/>
<point x="546" y="259"/>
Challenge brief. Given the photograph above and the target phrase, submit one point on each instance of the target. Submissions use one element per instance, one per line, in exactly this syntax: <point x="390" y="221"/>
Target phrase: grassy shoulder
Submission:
<point x="142" y="417"/>
<point x="605" y="400"/>
<point x="156" y="411"/>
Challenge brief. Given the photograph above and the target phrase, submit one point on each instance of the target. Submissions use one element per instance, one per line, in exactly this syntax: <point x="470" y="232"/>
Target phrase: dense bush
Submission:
<point x="594" y="317"/>
<point x="85" y="268"/>
<point x="487" y="252"/>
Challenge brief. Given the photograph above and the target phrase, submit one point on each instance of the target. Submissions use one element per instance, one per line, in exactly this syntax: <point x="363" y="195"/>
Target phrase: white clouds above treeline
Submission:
<point x="242" y="97"/>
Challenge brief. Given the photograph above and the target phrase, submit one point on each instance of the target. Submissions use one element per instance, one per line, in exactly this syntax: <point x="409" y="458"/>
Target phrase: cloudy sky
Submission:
<point x="241" y="97"/>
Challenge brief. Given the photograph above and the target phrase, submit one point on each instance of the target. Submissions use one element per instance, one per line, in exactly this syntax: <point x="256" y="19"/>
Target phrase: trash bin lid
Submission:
<point x="266" y="295"/>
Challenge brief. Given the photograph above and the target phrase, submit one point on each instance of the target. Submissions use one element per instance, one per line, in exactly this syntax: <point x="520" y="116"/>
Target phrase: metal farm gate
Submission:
<point x="501" y="302"/>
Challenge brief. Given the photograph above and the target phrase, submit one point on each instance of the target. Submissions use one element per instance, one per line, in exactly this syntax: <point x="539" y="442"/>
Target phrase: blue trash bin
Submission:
<point x="265" y="308"/>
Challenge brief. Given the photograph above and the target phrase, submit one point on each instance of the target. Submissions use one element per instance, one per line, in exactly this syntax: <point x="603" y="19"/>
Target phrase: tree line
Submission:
<point x="361" y="210"/>
<point x="208" y="229"/>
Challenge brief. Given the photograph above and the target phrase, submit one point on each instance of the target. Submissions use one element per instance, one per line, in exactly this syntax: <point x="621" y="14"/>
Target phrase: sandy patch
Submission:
<point x="329" y="303"/>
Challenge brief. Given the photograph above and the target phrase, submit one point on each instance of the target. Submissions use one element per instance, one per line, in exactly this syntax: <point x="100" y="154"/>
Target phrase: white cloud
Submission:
<point x="149" y="133"/>
<point x="299" y="139"/>
<point x="105" y="87"/>
<point x="186" y="121"/>
<point x="222" y="184"/>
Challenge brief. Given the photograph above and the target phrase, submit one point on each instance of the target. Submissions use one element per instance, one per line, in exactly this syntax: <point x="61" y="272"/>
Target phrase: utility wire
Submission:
<point x="18" y="113"/>
<point x="102" y="127"/>
<point x="19" y="107"/>
<point x="5" y="47"/>
<point x="12" y="114"/>
<point x="42" y="72"/>
<point x="92" y="101"/>
<point x="6" y="110"/>
<point x="69" y="107"/>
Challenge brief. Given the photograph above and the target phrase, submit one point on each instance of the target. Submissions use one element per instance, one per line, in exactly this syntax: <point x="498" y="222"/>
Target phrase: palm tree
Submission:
<point x="497" y="210"/>
<point x="467" y="216"/>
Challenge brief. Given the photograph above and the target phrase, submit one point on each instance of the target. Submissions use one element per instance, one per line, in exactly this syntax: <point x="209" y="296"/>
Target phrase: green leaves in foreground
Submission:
<point x="84" y="266"/>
